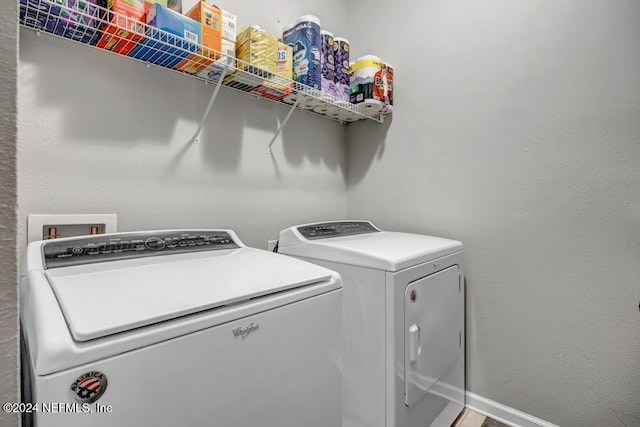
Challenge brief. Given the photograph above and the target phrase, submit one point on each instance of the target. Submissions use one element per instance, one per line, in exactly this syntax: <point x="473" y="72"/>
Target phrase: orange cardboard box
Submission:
<point x="210" y="19"/>
<point x="123" y="33"/>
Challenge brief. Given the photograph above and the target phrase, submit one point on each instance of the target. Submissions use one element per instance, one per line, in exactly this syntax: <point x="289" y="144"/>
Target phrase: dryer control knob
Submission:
<point x="154" y="243"/>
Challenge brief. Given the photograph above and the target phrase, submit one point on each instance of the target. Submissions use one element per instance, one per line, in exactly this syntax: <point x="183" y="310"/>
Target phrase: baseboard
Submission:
<point x="502" y="413"/>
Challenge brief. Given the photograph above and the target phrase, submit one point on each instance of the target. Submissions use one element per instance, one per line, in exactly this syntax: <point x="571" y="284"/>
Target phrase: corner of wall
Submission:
<point x="9" y="385"/>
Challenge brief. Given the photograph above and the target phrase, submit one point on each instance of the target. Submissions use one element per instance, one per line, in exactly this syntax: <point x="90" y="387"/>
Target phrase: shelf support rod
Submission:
<point x="196" y="136"/>
<point x="282" y="125"/>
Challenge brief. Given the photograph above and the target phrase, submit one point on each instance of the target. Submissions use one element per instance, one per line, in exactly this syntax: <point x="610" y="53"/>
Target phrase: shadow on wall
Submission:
<point x="368" y="139"/>
<point x="223" y="134"/>
<point x="104" y="99"/>
<point x="311" y="138"/>
<point x="101" y="97"/>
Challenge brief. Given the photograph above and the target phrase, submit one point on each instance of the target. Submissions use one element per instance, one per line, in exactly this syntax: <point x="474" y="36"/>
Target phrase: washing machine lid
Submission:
<point x="362" y="244"/>
<point x="103" y="298"/>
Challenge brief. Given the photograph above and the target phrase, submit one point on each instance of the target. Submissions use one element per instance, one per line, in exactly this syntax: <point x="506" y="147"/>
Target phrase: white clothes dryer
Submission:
<point x="404" y="363"/>
<point x="178" y="328"/>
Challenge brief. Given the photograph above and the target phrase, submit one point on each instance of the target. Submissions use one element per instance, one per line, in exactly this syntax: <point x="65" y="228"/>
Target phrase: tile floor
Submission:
<point x="469" y="418"/>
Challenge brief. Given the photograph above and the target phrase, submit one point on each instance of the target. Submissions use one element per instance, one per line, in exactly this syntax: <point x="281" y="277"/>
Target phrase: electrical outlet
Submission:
<point x="271" y="244"/>
<point x="42" y="227"/>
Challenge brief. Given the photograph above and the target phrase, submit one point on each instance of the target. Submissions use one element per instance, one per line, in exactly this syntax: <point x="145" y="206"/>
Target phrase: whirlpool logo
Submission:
<point x="246" y="330"/>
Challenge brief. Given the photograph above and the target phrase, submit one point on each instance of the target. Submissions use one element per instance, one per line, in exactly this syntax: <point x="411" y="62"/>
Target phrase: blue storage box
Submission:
<point x="169" y="38"/>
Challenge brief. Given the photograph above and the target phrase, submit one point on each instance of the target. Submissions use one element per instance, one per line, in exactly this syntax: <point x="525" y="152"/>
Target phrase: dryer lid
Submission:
<point x="110" y="297"/>
<point x="367" y="247"/>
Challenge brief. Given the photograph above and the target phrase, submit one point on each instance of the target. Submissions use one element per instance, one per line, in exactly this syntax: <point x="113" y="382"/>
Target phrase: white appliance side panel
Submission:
<point x="364" y="344"/>
<point x="433" y="337"/>
<point x="440" y="406"/>
<point x="287" y="372"/>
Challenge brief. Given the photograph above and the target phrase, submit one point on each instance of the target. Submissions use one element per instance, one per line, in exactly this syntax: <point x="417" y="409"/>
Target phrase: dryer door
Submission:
<point x="433" y="320"/>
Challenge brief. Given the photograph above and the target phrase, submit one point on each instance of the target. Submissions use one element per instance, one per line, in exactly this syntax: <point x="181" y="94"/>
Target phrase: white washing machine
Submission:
<point x="404" y="363"/>
<point x="178" y="328"/>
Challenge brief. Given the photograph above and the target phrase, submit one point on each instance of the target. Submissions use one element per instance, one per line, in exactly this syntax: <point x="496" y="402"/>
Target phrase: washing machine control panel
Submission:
<point x="336" y="229"/>
<point x="101" y="248"/>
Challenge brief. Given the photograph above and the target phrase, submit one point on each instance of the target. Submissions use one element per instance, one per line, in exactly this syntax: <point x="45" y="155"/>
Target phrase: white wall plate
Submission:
<point x="69" y="225"/>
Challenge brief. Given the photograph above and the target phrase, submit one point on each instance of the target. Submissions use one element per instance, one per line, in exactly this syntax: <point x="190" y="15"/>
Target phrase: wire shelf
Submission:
<point x="88" y="22"/>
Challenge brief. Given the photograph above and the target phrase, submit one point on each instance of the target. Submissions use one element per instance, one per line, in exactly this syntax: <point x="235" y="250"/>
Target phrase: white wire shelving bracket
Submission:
<point x="196" y="136"/>
<point x="91" y="25"/>
<point x="282" y="125"/>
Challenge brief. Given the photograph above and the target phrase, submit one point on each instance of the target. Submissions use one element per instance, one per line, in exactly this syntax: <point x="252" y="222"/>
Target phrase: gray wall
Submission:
<point x="100" y="134"/>
<point x="9" y="390"/>
<point x="517" y="131"/>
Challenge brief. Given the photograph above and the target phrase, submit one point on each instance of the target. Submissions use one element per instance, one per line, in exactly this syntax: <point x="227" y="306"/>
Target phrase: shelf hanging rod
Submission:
<point x="282" y="125"/>
<point x="196" y="136"/>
